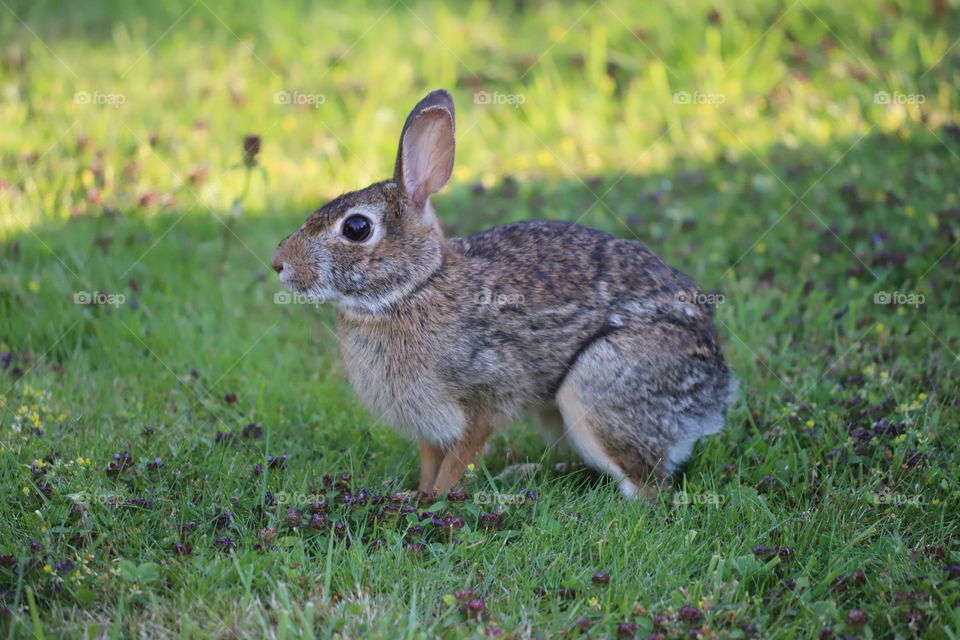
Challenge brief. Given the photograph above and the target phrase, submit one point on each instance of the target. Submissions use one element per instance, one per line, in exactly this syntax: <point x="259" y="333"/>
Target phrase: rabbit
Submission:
<point x="447" y="339"/>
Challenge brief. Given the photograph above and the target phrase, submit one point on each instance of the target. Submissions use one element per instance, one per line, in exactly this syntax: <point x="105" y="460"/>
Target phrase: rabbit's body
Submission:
<point x="514" y="313"/>
<point x="446" y="339"/>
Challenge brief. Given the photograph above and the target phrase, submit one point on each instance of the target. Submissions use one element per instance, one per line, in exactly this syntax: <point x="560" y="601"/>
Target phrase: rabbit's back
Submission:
<point x="529" y="297"/>
<point x="558" y="262"/>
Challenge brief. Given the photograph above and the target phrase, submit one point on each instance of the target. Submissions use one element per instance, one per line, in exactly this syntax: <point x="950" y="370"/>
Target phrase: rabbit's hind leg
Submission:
<point x="551" y="426"/>
<point x="614" y="420"/>
<point x="587" y="428"/>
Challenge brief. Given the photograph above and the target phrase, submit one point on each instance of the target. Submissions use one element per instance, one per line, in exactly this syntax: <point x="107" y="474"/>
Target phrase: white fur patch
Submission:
<point x="628" y="489"/>
<point x="680" y="451"/>
<point x="639" y="308"/>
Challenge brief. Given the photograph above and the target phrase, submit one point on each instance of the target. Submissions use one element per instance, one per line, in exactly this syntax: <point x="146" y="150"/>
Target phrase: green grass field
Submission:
<point x="186" y="458"/>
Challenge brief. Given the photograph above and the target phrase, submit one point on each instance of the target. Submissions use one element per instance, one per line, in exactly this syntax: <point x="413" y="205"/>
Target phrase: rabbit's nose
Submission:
<point x="277" y="266"/>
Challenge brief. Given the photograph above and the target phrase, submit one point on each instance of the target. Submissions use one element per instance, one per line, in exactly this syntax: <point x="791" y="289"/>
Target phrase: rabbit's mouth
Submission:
<point x="300" y="284"/>
<point x="311" y="293"/>
<point x="356" y="303"/>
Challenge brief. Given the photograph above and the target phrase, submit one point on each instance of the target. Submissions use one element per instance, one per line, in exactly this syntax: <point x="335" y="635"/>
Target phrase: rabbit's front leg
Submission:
<point x="462" y="453"/>
<point x="431" y="456"/>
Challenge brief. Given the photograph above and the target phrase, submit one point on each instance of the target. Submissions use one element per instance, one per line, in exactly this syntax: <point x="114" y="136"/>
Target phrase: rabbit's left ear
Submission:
<point x="425" y="157"/>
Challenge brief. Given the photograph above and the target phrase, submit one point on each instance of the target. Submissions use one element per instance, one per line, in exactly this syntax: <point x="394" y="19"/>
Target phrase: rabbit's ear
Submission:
<point x="425" y="157"/>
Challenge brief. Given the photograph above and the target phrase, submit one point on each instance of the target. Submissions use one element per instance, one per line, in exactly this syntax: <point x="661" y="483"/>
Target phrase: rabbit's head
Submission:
<point x="369" y="248"/>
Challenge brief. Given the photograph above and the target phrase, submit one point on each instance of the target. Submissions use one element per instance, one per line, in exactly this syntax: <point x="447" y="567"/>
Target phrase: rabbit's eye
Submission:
<point x="357" y="228"/>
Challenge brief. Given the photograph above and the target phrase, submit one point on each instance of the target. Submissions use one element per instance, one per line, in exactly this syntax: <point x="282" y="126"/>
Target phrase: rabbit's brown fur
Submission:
<point x="448" y="339"/>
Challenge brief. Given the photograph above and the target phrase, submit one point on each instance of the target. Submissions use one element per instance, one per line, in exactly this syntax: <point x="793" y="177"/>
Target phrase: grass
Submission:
<point x="790" y="188"/>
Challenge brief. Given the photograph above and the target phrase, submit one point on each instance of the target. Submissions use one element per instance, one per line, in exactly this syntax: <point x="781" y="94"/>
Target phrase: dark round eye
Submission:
<point x="357" y="228"/>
